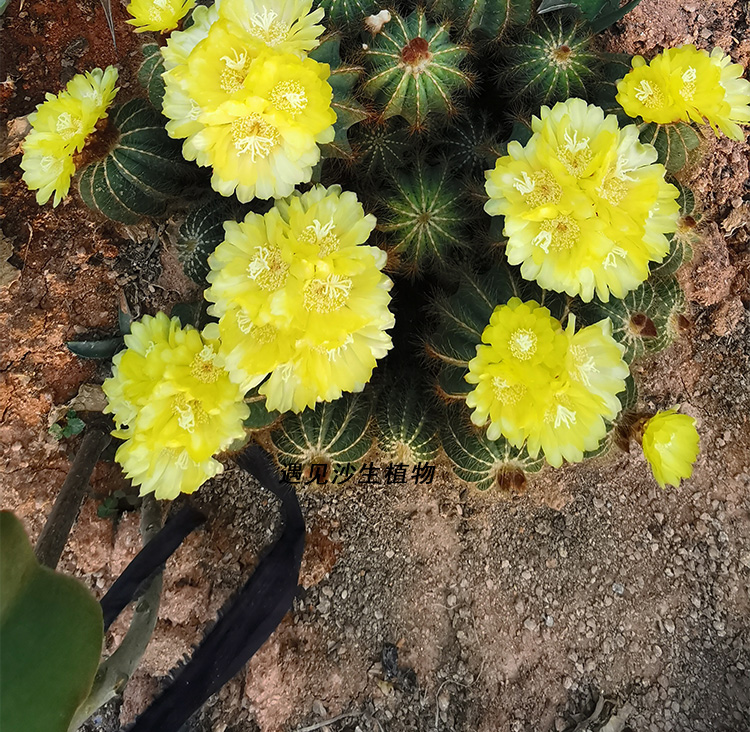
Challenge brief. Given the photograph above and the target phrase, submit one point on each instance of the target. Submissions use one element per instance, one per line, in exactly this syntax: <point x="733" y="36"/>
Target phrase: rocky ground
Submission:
<point x="594" y="595"/>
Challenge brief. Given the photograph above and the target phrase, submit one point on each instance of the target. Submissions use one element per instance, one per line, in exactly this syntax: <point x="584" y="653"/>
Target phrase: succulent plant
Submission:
<point x="348" y="14"/>
<point x="550" y="61"/>
<point x="424" y="215"/>
<point x="149" y="75"/>
<point x="414" y="70"/>
<point x="379" y="147"/>
<point x="334" y="434"/>
<point x="480" y="461"/>
<point x="202" y="231"/>
<point x="406" y="422"/>
<point x="489" y="17"/>
<point x="142" y="171"/>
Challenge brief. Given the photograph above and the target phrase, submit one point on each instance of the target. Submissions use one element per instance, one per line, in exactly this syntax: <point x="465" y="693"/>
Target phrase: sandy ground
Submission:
<point x="503" y="614"/>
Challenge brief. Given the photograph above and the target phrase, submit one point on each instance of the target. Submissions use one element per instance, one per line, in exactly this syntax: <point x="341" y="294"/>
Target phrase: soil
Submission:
<point x="423" y="608"/>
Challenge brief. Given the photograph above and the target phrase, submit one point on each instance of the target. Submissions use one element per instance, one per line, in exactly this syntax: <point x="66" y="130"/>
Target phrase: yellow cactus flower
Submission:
<point x="164" y="471"/>
<point x="158" y="16"/>
<point x="181" y="43"/>
<point x="549" y="388"/>
<point x="288" y="26"/>
<point x="586" y="206"/>
<point x="684" y="84"/>
<point x="60" y="127"/>
<point x="301" y="297"/>
<point x="174" y="404"/>
<point x="671" y="445"/>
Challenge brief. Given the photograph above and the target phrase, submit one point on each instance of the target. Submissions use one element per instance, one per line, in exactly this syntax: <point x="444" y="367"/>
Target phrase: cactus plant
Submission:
<point x="645" y="321"/>
<point x="348" y="14"/>
<point x="481" y="461"/>
<point x="550" y="61"/>
<point x="414" y="70"/>
<point x="491" y="18"/>
<point x="673" y="142"/>
<point x="379" y="147"/>
<point x="142" y="171"/>
<point x="334" y="435"/>
<point x="406" y="422"/>
<point x="149" y="75"/>
<point x="201" y="232"/>
<point x="424" y="215"/>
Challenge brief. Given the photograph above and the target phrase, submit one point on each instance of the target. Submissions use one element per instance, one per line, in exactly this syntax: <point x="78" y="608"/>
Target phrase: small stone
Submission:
<point x="669" y="625"/>
<point x="530" y="624"/>
<point x="319" y="709"/>
<point x="618" y="588"/>
<point x="451" y="600"/>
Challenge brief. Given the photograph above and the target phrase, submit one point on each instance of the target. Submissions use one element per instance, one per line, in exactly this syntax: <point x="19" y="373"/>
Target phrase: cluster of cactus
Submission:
<point x="426" y="100"/>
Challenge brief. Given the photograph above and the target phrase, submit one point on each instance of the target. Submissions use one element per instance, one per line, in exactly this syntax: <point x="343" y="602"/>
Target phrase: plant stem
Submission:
<point x="51" y="542"/>
<point x="116" y="671"/>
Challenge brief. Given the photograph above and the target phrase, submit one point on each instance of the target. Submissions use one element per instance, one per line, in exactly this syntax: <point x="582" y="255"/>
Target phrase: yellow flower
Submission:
<point x="60" y="127"/>
<point x="164" y="471"/>
<point x="301" y="297"/>
<point x="255" y="114"/>
<point x="684" y="84"/>
<point x="174" y="403"/>
<point x="544" y="386"/>
<point x="159" y="16"/>
<point x="670" y="444"/>
<point x="586" y="206"/>
<point x="288" y="26"/>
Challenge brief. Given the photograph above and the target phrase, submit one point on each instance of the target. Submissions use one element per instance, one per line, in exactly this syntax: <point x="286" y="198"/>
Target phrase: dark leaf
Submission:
<point x="96" y="349"/>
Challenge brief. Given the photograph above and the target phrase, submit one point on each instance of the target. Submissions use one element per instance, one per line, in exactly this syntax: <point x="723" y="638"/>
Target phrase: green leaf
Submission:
<point x="52" y="634"/>
<point x="96" y="349"/>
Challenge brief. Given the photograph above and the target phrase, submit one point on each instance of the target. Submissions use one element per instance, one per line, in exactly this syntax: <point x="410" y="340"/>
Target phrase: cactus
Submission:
<point x="550" y="62"/>
<point x="143" y="170"/>
<point x="645" y="321"/>
<point x="413" y="69"/>
<point x="674" y="143"/>
<point x="348" y="13"/>
<point x="201" y="232"/>
<point x="334" y="434"/>
<point x="681" y="244"/>
<point x="406" y="423"/>
<point x="489" y="17"/>
<point x="259" y="418"/>
<point x="480" y="461"/>
<point x="424" y="215"/>
<point x="379" y="148"/>
<point x="149" y="75"/>
<point x="342" y="80"/>
<point x="470" y="144"/>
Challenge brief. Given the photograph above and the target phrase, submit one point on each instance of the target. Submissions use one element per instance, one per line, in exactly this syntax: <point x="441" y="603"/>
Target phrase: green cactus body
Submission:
<point x="470" y="144"/>
<point x="460" y="320"/>
<point x="348" y="110"/>
<point x="645" y="321"/>
<point x="424" y="216"/>
<point x="550" y="62"/>
<point x="673" y="142"/>
<point x="490" y="17"/>
<point x="379" y="148"/>
<point x="413" y="69"/>
<point x="259" y="418"/>
<point x="201" y="232"/>
<point x="149" y="75"/>
<point x="682" y="241"/>
<point x="480" y="461"/>
<point x="407" y="427"/>
<point x="143" y="170"/>
<point x="347" y="13"/>
<point x="334" y="434"/>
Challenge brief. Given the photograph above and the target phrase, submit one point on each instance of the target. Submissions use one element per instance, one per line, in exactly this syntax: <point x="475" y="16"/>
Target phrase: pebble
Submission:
<point x="618" y="588"/>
